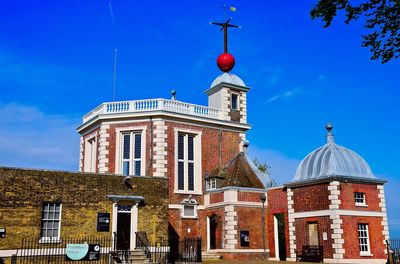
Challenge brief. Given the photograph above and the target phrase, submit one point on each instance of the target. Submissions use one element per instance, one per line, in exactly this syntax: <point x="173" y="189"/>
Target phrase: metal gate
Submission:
<point x="393" y="248"/>
<point x="190" y="250"/>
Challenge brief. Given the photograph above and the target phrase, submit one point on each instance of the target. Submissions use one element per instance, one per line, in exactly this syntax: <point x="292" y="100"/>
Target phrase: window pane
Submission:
<point x="190" y="148"/>
<point x="126" y="146"/>
<point x="234" y="101"/>
<point x="50" y="221"/>
<point x="138" y="142"/>
<point x="51" y="215"/>
<point x="180" y="146"/>
<point x="137" y="168"/>
<point x="191" y="176"/>
<point x="125" y="168"/>
<point x="180" y="176"/>
<point x="188" y="210"/>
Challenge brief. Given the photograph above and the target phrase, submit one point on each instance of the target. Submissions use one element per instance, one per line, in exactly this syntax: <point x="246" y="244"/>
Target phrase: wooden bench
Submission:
<point x="310" y="254"/>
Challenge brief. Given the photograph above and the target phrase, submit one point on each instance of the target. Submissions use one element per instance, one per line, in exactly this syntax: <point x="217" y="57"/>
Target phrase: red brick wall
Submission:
<point x="311" y="198"/>
<point x="181" y="225"/>
<point x="277" y="204"/>
<point x="324" y="225"/>
<point x="220" y="213"/>
<point x="347" y="196"/>
<point x="248" y="196"/>
<point x="350" y="235"/>
<point x="209" y="152"/>
<point x="249" y="219"/>
<point x="216" y="197"/>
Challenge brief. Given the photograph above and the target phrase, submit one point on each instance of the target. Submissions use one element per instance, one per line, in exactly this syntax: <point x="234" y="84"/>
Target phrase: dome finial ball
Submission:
<point x="329" y="127"/>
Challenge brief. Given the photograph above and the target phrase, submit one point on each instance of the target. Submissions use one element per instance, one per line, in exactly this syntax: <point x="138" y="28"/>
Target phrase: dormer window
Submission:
<point x="359" y="198"/>
<point x="234" y="101"/>
<point x="211" y="184"/>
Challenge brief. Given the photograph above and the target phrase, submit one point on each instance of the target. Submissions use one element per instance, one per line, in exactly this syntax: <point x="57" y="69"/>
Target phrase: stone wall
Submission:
<point x="83" y="195"/>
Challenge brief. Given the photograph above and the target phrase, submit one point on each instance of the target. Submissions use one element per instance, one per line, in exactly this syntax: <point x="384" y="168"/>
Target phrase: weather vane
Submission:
<point x="225" y="61"/>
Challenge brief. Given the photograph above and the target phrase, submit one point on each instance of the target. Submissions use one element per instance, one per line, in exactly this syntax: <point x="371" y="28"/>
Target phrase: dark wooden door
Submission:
<point x="213" y="232"/>
<point x="123" y="231"/>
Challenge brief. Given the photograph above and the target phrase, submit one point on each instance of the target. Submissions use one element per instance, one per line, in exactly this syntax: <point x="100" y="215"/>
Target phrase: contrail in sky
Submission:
<point x="112" y="16"/>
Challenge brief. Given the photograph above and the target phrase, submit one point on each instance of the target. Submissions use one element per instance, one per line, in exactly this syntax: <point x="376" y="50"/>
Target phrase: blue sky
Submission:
<point x="56" y="64"/>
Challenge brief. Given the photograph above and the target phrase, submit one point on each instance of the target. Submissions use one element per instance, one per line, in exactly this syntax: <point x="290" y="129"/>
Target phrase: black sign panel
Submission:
<point x="2" y="232"/>
<point x="103" y="222"/>
<point x="244" y="238"/>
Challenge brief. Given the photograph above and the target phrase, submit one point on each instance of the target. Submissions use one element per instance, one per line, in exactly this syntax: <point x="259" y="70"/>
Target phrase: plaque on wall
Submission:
<point x="244" y="238"/>
<point x="103" y="222"/>
<point x="2" y="232"/>
<point x="79" y="252"/>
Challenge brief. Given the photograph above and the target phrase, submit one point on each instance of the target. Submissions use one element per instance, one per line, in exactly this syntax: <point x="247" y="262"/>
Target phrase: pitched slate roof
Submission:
<point x="241" y="172"/>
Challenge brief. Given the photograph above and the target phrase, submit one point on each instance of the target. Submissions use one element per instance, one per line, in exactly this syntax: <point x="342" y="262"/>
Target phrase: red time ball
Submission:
<point x="225" y="62"/>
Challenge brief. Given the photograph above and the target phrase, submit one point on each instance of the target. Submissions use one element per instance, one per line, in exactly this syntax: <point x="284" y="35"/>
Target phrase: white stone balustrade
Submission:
<point x="153" y="105"/>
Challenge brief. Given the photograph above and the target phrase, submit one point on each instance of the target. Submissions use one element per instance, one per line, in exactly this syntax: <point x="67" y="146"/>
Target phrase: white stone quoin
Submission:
<point x="230" y="227"/>
<point x="104" y="143"/>
<point x="292" y="228"/>
<point x="160" y="149"/>
<point x="336" y="221"/>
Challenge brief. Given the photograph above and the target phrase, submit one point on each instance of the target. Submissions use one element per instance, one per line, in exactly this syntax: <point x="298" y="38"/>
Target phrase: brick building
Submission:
<point x="189" y="165"/>
<point x="333" y="200"/>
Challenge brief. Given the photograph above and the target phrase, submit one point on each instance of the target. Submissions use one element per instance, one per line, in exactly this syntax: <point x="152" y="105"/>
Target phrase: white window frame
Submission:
<point x="119" y="148"/>
<point x="45" y="239"/>
<point x="90" y="156"/>
<point x="237" y="101"/>
<point x="363" y="233"/>
<point x="211" y="184"/>
<point x="197" y="162"/>
<point x="360" y="195"/>
<point x="192" y="203"/>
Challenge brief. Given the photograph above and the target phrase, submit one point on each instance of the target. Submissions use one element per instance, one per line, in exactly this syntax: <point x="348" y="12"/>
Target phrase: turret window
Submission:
<point x="234" y="101"/>
<point x="363" y="238"/>
<point x="359" y="198"/>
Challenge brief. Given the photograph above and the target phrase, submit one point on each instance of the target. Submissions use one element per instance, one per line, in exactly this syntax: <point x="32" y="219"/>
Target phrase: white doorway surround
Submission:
<point x="276" y="238"/>
<point x="133" y="201"/>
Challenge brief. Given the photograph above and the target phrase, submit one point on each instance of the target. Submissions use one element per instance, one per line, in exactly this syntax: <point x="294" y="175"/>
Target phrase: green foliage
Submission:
<point x="382" y="19"/>
<point x="261" y="166"/>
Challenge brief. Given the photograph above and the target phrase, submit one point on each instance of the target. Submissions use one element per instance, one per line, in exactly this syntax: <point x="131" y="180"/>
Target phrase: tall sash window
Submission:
<point x="131" y="153"/>
<point x="186" y="162"/>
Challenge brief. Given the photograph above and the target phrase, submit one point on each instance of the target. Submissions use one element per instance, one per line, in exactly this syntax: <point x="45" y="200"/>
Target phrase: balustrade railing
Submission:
<point x="153" y="105"/>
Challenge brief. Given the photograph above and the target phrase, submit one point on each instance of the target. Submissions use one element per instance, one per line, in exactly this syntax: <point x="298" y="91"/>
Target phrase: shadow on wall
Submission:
<point x="173" y="239"/>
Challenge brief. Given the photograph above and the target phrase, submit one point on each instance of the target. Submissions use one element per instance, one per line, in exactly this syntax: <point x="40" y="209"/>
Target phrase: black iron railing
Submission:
<point x="190" y="250"/>
<point x="393" y="248"/>
<point x="157" y="252"/>
<point x="53" y="250"/>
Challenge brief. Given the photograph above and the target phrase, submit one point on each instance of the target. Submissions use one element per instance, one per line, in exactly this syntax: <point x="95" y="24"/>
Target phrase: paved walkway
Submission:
<point x="252" y="262"/>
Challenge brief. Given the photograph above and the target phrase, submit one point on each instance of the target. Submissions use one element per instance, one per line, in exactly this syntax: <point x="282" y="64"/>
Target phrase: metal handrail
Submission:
<point x="142" y="245"/>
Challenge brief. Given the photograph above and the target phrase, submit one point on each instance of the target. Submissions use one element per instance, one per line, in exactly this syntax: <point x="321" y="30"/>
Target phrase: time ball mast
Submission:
<point x="225" y="61"/>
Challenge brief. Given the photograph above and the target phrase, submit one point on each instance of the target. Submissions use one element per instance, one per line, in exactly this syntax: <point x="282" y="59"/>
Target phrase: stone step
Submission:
<point x="210" y="256"/>
<point x="138" y="253"/>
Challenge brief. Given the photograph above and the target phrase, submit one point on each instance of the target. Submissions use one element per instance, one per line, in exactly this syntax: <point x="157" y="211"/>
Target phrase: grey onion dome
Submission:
<point x="332" y="160"/>
<point x="227" y="78"/>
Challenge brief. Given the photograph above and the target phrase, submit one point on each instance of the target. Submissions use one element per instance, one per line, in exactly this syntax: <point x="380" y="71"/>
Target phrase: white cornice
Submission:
<point x="130" y="115"/>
